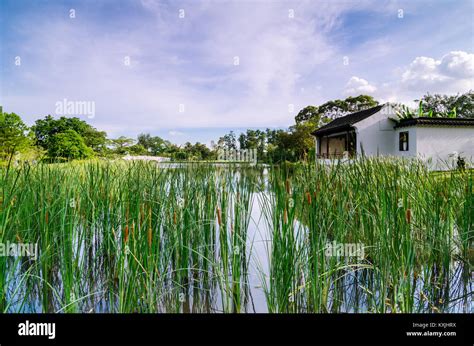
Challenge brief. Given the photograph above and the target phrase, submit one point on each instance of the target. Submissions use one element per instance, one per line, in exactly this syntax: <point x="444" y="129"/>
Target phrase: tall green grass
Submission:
<point x="416" y="227"/>
<point x="137" y="237"/>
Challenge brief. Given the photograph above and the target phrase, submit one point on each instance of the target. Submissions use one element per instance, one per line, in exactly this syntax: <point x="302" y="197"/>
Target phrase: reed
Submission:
<point x="136" y="237"/>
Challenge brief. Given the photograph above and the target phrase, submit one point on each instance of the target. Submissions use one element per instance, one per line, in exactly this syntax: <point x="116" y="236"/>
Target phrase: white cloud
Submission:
<point x="452" y="73"/>
<point x="356" y="86"/>
<point x="458" y="64"/>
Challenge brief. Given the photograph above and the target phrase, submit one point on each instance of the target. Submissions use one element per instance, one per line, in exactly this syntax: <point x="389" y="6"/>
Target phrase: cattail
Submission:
<point x="308" y="197"/>
<point x="287" y="186"/>
<point x="126" y="234"/>
<point x="408" y="215"/>
<point x="149" y="227"/>
<point x="219" y="220"/>
<point x="285" y="217"/>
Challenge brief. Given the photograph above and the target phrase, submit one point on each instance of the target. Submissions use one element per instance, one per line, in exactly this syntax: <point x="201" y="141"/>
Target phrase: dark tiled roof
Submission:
<point x="346" y="122"/>
<point x="425" y="121"/>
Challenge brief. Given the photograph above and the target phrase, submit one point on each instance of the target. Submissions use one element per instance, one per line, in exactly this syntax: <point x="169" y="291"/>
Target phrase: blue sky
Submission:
<point x="225" y="64"/>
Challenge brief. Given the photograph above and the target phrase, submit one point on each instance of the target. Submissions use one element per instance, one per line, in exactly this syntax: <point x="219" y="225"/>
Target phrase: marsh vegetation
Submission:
<point x="136" y="237"/>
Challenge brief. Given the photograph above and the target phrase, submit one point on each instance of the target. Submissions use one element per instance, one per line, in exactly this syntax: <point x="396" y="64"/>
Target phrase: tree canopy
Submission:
<point x="13" y="134"/>
<point x="69" y="145"/>
<point x="443" y="104"/>
<point x="45" y="129"/>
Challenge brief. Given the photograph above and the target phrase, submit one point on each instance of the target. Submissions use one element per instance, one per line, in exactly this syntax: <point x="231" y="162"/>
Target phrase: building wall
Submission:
<point x="440" y="143"/>
<point x="412" y="142"/>
<point x="375" y="134"/>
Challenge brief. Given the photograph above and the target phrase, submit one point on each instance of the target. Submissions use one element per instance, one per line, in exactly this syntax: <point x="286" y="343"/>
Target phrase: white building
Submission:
<point x="375" y="131"/>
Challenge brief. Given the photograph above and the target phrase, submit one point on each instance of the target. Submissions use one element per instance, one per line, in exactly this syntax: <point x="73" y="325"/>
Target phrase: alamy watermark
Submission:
<point x="9" y="249"/>
<point x="67" y="107"/>
<point x="237" y="155"/>
<point x="335" y="249"/>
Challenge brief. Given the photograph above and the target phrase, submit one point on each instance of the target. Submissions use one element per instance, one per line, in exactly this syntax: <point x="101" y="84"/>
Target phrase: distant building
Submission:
<point x="376" y="131"/>
<point x="146" y="158"/>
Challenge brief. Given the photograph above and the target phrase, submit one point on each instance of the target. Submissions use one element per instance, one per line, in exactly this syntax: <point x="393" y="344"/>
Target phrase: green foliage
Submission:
<point x="405" y="112"/>
<point x="254" y="139"/>
<point x="68" y="145"/>
<point x="460" y="105"/>
<point x="228" y="142"/>
<point x="137" y="149"/>
<point x="307" y="113"/>
<point x="322" y="114"/>
<point x="47" y="128"/>
<point x="13" y="134"/>
<point x="121" y="145"/>
<point x="134" y="237"/>
<point x="153" y="144"/>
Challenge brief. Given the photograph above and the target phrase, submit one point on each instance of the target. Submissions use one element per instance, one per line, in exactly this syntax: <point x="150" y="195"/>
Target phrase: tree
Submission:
<point x="137" y="149"/>
<point x="307" y="113"/>
<point x="333" y="109"/>
<point x="441" y="105"/>
<point x="69" y="145"/>
<point x="228" y="142"/>
<point x="13" y="134"/>
<point x="254" y="139"/>
<point x="336" y="108"/>
<point x="154" y="145"/>
<point x="121" y="144"/>
<point x="46" y="128"/>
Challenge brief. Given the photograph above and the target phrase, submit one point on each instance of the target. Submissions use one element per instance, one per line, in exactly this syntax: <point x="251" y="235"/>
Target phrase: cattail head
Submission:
<point x="285" y="217"/>
<point x="408" y="215"/>
<point x="308" y="197"/>
<point x="149" y="236"/>
<point x="219" y="218"/>
<point x="126" y="234"/>
<point x="287" y="186"/>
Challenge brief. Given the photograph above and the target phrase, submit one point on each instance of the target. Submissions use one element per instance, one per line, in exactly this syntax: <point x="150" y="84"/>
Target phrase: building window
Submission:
<point x="403" y="141"/>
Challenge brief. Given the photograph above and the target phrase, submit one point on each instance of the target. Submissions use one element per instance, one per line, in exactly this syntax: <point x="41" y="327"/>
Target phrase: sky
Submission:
<point x="194" y="70"/>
